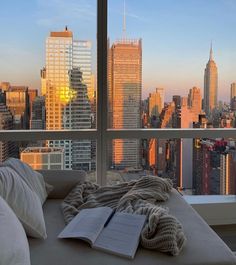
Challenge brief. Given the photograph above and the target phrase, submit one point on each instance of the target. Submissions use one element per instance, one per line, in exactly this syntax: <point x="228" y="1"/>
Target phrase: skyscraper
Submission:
<point x="210" y="85"/>
<point x="195" y="100"/>
<point x="17" y="100"/>
<point x="33" y="93"/>
<point x="156" y="102"/>
<point x="185" y="118"/>
<point x="177" y="101"/>
<point x="62" y="55"/>
<point x="7" y="148"/>
<point x="232" y="96"/>
<point x="82" y="57"/>
<point x="125" y="86"/>
<point x="38" y="115"/>
<point x="43" y="81"/>
<point x="80" y="119"/>
<point x="232" y="90"/>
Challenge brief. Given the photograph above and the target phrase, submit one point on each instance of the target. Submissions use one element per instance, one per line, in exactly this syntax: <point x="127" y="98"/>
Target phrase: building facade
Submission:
<point x="17" y="100"/>
<point x="43" y="158"/>
<point x="63" y="54"/>
<point x="82" y="58"/>
<point x="156" y="102"/>
<point x="80" y="119"/>
<point x="210" y="85"/>
<point x="195" y="100"/>
<point x="233" y="96"/>
<point x="38" y="115"/>
<point x="7" y="148"/>
<point x="124" y="94"/>
<point x="214" y="167"/>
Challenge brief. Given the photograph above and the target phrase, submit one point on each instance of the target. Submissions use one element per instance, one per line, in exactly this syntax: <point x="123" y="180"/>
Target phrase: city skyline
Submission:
<point x="66" y="105"/>
<point x="176" y="41"/>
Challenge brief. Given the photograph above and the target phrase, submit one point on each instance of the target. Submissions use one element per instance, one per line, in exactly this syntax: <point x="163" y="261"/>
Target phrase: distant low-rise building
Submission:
<point x="7" y="148"/>
<point x="43" y="157"/>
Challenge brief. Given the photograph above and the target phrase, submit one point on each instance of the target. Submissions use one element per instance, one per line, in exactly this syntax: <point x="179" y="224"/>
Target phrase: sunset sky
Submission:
<point x="176" y="38"/>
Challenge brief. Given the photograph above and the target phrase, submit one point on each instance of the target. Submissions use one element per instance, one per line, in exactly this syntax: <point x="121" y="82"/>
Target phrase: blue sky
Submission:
<point x="176" y="38"/>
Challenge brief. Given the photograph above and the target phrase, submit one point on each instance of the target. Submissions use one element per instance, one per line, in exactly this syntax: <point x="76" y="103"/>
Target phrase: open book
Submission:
<point x="104" y="229"/>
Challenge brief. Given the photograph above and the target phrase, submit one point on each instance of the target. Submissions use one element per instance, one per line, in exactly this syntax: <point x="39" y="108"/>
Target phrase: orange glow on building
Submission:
<point x="124" y="93"/>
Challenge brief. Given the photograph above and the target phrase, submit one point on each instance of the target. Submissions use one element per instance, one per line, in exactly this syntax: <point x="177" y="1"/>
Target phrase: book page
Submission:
<point x="121" y="235"/>
<point x="87" y="224"/>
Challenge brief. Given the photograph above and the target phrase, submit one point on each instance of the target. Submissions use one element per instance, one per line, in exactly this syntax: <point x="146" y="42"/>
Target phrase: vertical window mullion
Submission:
<point x="101" y="157"/>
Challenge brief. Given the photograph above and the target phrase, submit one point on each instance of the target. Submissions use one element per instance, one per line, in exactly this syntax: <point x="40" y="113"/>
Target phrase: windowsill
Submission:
<point x="206" y="199"/>
<point x="214" y="209"/>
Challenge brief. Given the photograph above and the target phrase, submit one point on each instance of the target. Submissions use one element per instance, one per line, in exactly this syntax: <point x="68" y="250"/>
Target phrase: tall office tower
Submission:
<point x="124" y="94"/>
<point x="156" y="102"/>
<point x="7" y="148"/>
<point x="2" y="96"/>
<point x="232" y="96"/>
<point x="80" y="119"/>
<point x="59" y="52"/>
<point x="177" y="101"/>
<point x="161" y="150"/>
<point x="33" y="93"/>
<point x="166" y="116"/>
<point x="93" y="101"/>
<point x="195" y="100"/>
<point x="184" y="101"/>
<point x="233" y="104"/>
<point x="210" y="85"/>
<point x="82" y="58"/>
<point x="43" y="74"/>
<point x="232" y="90"/>
<point x="17" y="100"/>
<point x="161" y="91"/>
<point x="62" y="55"/>
<point x="230" y="173"/>
<point x="185" y="119"/>
<point x="38" y="117"/>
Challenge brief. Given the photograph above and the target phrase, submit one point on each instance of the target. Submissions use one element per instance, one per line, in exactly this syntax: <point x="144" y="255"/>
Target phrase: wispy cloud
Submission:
<point x="128" y="14"/>
<point x="55" y="12"/>
<point x="132" y="15"/>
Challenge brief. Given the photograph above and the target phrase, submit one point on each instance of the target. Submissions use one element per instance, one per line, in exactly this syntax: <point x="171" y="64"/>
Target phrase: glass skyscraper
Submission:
<point x="62" y="55"/>
<point x="125" y="86"/>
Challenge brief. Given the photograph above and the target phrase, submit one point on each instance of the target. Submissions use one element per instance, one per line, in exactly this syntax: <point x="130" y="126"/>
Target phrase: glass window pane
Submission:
<point x="202" y="166"/>
<point x="48" y="76"/>
<point x="167" y="69"/>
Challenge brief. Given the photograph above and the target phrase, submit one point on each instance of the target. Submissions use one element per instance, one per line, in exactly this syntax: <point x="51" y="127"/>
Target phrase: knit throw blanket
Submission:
<point x="162" y="231"/>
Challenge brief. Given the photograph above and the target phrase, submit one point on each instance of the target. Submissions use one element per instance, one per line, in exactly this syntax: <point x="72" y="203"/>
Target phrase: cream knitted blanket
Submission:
<point x="162" y="231"/>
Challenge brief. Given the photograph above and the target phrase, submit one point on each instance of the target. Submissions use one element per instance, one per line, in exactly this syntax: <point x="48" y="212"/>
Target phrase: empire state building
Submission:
<point x="210" y="85"/>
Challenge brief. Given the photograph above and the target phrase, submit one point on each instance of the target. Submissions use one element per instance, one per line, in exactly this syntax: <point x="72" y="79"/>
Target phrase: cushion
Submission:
<point x="32" y="178"/>
<point x="24" y="202"/>
<point x="14" y="247"/>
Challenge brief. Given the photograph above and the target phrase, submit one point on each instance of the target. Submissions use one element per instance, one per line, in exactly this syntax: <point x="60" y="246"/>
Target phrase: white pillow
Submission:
<point x="24" y="202"/>
<point x="14" y="247"/>
<point x="31" y="177"/>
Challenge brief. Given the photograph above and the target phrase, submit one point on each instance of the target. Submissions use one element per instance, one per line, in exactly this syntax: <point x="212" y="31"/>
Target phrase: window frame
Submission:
<point x="102" y="134"/>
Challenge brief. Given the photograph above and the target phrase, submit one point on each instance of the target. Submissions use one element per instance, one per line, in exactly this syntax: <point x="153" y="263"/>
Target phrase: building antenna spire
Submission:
<point x="211" y="53"/>
<point x="124" y="22"/>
